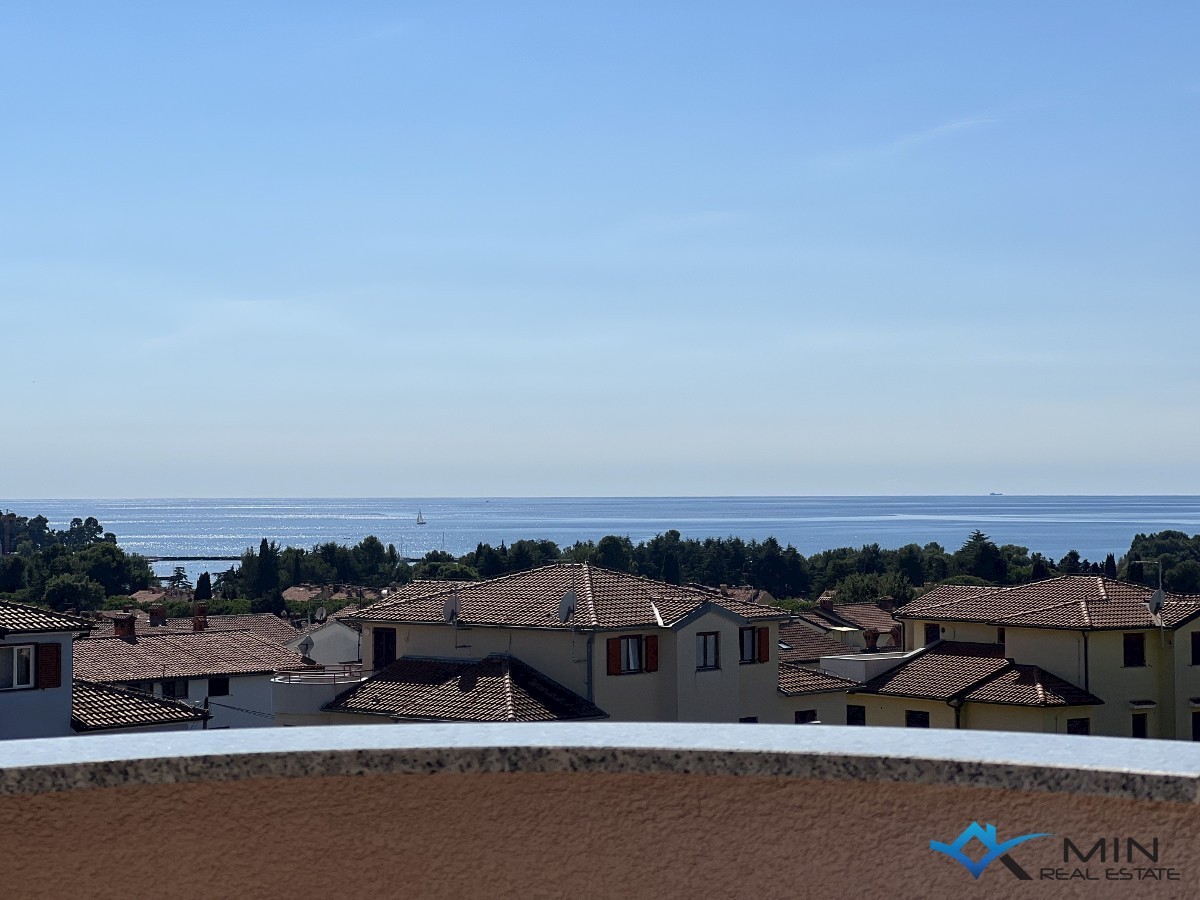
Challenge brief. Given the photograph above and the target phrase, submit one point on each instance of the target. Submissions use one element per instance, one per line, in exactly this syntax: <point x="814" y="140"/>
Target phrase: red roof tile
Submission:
<point x="977" y="673"/>
<point x="803" y="644"/>
<point x="495" y="689"/>
<point x="98" y="707"/>
<point x="265" y="625"/>
<point x="17" y="618"/>
<point x="795" y="680"/>
<point x="943" y="671"/>
<point x="1076" y="602"/>
<point x="856" y="615"/>
<point x="1031" y="686"/>
<point x="605" y="599"/>
<point x="199" y="655"/>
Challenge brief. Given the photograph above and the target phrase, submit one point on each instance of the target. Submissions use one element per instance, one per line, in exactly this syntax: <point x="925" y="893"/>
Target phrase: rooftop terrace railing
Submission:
<point x="600" y="810"/>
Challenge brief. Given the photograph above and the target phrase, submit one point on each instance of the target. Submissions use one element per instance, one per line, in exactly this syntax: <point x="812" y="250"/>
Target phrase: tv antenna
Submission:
<point x="451" y="608"/>
<point x="320" y="615"/>
<point x="566" y="606"/>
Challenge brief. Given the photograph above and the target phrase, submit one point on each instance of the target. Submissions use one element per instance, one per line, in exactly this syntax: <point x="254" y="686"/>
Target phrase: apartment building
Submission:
<point x="625" y="647"/>
<point x="1076" y="654"/>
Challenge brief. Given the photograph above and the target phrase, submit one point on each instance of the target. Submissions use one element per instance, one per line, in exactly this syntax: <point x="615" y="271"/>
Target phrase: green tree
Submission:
<point x="670" y="569"/>
<point x="1071" y="563"/>
<point x="614" y="553"/>
<point x="73" y="592"/>
<point x="1110" y="566"/>
<point x="203" y="587"/>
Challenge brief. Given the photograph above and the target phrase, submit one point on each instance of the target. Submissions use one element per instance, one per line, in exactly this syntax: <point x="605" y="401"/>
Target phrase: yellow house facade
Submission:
<point x="1135" y="651"/>
<point x="638" y="649"/>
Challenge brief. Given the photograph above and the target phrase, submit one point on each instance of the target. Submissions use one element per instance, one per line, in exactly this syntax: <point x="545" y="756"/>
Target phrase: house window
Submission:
<point x="1000" y="636"/>
<point x="933" y="632"/>
<point x="754" y="645"/>
<point x="916" y="718"/>
<point x="856" y="715"/>
<point x="1139" y="725"/>
<point x="1135" y="650"/>
<point x="1196" y="726"/>
<point x="175" y="688"/>
<point x="748" y="641"/>
<point x="631" y="654"/>
<point x="218" y="687"/>
<point x="1196" y="648"/>
<point x="806" y="716"/>
<point x="16" y="667"/>
<point x="708" y="650"/>
<point x="748" y="719"/>
<point x="1079" y="726"/>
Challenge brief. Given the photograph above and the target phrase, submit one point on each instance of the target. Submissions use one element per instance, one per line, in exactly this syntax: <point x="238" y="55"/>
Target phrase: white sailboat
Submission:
<point x="420" y="518"/>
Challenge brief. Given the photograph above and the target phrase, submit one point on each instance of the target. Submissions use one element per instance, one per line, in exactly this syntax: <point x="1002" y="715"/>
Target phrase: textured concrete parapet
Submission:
<point x="603" y="809"/>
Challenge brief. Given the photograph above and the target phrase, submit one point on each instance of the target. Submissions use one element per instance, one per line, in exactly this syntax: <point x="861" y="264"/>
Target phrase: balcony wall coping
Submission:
<point x="1114" y="767"/>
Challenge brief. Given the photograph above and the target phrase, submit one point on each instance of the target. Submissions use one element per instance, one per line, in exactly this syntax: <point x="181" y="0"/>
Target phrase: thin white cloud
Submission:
<point x="904" y="142"/>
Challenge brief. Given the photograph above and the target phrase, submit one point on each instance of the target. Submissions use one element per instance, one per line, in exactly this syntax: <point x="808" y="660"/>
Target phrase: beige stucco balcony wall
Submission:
<point x="597" y="810"/>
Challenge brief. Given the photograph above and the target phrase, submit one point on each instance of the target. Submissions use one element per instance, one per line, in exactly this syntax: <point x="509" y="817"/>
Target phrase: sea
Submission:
<point x="207" y="529"/>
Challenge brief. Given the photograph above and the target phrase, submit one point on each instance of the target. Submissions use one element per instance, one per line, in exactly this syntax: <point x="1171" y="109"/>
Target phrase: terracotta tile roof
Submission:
<point x="605" y="599"/>
<point x="816" y="621"/>
<point x="495" y="689"/>
<point x="265" y="625"/>
<point x="856" y="615"/>
<point x="96" y="707"/>
<point x="1031" y="686"/>
<point x="806" y="645"/>
<point x="978" y="673"/>
<point x="943" y="671"/>
<point x="194" y="655"/>
<point x="1076" y="602"/>
<point x="306" y="593"/>
<point x="795" y="680"/>
<point x="17" y="618"/>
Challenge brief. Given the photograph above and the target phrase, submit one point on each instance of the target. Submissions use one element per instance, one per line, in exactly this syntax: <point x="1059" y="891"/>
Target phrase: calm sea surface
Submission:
<point x="1052" y="525"/>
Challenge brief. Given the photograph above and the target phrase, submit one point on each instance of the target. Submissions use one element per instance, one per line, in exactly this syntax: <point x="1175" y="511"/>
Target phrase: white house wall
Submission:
<point x="38" y="712"/>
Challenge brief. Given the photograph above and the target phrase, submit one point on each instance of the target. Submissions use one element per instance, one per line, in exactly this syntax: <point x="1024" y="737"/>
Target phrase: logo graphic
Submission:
<point x="986" y="835"/>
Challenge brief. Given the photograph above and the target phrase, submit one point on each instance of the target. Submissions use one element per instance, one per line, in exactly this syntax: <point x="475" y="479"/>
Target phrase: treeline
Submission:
<point x="79" y="567"/>
<point x="262" y="576"/>
<point x="82" y="567"/>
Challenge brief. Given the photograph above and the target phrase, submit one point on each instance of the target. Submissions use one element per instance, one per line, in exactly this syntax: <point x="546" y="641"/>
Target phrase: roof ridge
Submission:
<point x="510" y="707"/>
<point x="589" y="593"/>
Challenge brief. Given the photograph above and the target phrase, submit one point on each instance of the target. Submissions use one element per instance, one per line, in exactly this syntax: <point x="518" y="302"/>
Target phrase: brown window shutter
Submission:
<point x="764" y="645"/>
<point x="652" y="653"/>
<point x="614" y="656"/>
<point x="49" y="665"/>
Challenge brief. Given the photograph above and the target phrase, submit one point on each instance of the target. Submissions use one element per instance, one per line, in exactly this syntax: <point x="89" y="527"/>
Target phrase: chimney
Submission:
<point x="871" y="636"/>
<point x="200" y="617"/>
<point x="897" y="634"/>
<point x="124" y="626"/>
<point x="887" y="604"/>
<point x="825" y="601"/>
<point x="326" y="592"/>
<point x="158" y="614"/>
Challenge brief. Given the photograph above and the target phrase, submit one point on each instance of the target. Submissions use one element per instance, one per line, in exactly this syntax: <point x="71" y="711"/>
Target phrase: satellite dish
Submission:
<point x="321" y="614"/>
<point x="1156" y="602"/>
<point x="450" y="609"/>
<point x="306" y="645"/>
<point x="566" y="606"/>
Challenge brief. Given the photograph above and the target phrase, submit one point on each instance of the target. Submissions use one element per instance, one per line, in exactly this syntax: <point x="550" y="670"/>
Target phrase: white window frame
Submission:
<point x="631" y="654"/>
<point x="708" y="650"/>
<point x="9" y="655"/>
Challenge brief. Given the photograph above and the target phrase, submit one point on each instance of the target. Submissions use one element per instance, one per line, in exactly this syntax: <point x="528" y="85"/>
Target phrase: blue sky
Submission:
<point x="572" y="249"/>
